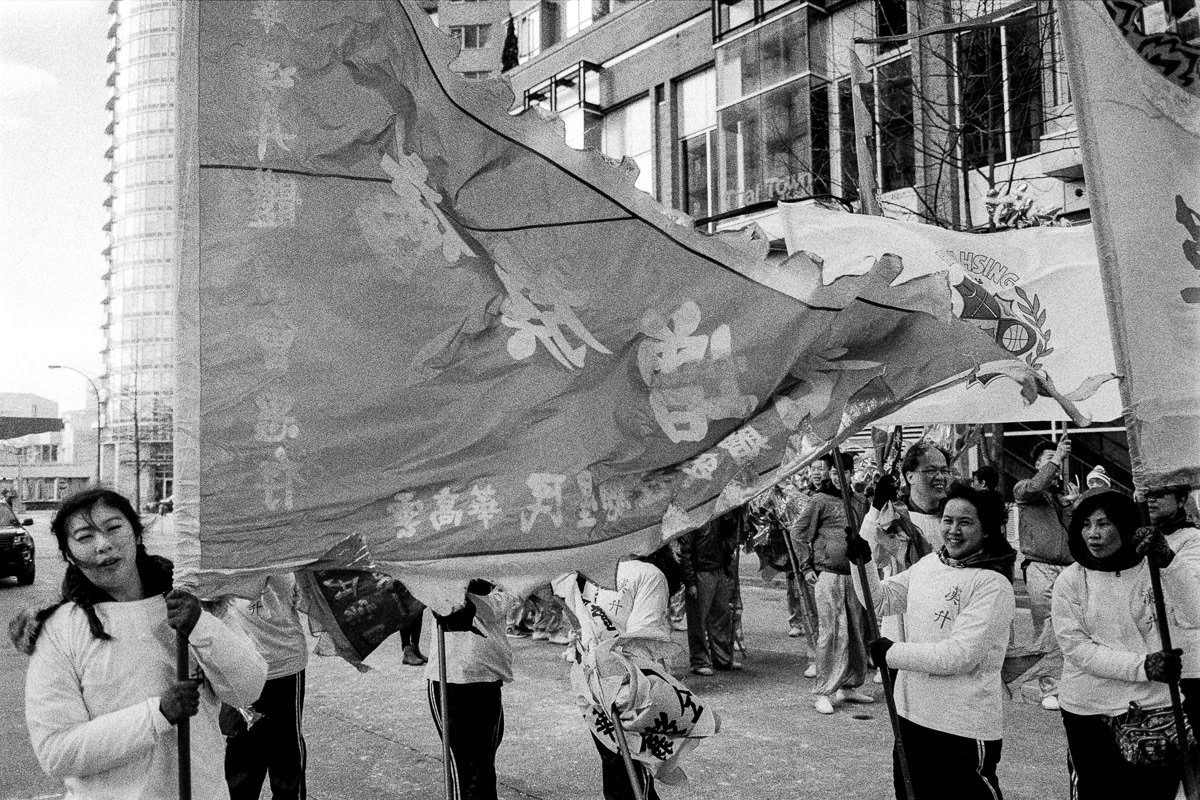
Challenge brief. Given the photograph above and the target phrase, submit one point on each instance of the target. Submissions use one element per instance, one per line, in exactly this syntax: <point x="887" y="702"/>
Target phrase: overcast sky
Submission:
<point x="52" y="190"/>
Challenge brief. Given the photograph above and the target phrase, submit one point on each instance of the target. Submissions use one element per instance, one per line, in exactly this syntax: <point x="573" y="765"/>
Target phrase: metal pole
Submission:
<point x="444" y="707"/>
<point x="88" y="378"/>
<point x="735" y="596"/>
<point x="801" y="596"/>
<point x="889" y="689"/>
<point x="623" y="746"/>
<point x="183" y="727"/>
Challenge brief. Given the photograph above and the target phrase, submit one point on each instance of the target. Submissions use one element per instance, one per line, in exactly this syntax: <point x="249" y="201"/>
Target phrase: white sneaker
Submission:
<point x="540" y="635"/>
<point x="1050" y="703"/>
<point x="559" y="638"/>
<point x="822" y="705"/>
<point x="853" y="696"/>
<point x="878" y="676"/>
<point x="811" y="672"/>
<point x="795" y="633"/>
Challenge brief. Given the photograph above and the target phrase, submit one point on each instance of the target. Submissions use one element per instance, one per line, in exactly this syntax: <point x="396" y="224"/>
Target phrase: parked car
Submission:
<point x="16" y="547"/>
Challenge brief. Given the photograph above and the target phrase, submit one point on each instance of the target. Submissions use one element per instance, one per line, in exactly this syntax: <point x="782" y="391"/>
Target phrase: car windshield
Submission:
<point x="7" y="518"/>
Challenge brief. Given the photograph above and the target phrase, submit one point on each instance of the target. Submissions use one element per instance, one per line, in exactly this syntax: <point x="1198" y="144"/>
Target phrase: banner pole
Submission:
<point x="183" y="727"/>
<point x="626" y="756"/>
<point x="873" y="626"/>
<point x="444" y="708"/>
<point x="801" y="596"/>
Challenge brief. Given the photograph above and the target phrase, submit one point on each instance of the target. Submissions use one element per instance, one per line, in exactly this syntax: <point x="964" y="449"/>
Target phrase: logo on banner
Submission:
<point x="988" y="296"/>
<point x="1168" y="53"/>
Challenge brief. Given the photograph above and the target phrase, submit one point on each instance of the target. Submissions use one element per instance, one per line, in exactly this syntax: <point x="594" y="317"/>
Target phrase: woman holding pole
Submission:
<point x="1104" y="618"/>
<point x="102" y="700"/>
<point x="958" y="603"/>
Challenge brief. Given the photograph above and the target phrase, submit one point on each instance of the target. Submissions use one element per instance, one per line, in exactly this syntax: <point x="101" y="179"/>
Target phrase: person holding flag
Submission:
<point x="1104" y="619"/>
<point x="958" y="604"/>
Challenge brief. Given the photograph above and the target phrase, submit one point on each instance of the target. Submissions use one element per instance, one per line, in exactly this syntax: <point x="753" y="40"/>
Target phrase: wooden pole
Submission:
<point x="810" y="636"/>
<point x="889" y="689"/>
<point x="444" y="708"/>
<point x="626" y="756"/>
<point x="183" y="727"/>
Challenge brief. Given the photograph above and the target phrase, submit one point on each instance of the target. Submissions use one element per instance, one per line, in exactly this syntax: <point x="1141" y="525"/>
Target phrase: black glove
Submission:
<point x="885" y="491"/>
<point x="460" y="621"/>
<point x="1150" y="542"/>
<point x="857" y="549"/>
<point x="480" y="587"/>
<point x="879" y="649"/>
<point x="1165" y="666"/>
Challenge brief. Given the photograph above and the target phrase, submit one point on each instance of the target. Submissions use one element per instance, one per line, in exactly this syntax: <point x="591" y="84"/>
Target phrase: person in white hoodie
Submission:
<point x="101" y="696"/>
<point x="1104" y="619"/>
<point x="958" y="604"/>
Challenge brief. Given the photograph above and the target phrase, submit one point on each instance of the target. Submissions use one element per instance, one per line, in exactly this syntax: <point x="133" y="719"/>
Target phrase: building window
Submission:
<point x="697" y="123"/>
<point x="891" y="19"/>
<point x="894" y="125"/>
<point x="1000" y="90"/>
<point x="529" y="34"/>
<point x="574" y="95"/>
<point x="471" y="37"/>
<point x="476" y="75"/>
<point x="731" y="15"/>
<point x="628" y="133"/>
<point x="847" y="142"/>
<point x="579" y="15"/>
<point x="821" y="145"/>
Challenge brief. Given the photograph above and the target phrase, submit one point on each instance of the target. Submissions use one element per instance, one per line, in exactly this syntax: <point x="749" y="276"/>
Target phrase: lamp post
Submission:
<point x="97" y="391"/>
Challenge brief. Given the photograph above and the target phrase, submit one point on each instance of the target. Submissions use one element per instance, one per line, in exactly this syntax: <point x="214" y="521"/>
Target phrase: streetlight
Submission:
<point x="97" y="391"/>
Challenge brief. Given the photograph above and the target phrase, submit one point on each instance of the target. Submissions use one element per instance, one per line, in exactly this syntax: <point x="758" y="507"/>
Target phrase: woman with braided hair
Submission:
<point x="101" y="696"/>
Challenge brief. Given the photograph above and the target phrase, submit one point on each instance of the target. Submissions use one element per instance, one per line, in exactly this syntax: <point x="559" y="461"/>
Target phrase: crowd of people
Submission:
<point x="929" y="556"/>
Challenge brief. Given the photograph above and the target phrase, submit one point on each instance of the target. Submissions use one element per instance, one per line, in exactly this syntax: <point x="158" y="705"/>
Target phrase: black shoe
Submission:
<point x="413" y="657"/>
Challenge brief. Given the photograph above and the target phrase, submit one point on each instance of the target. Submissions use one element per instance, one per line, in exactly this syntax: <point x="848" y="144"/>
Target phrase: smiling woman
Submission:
<point x="101" y="695"/>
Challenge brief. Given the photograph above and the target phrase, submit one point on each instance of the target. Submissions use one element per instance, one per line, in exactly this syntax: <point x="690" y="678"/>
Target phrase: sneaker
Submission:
<point x="853" y="696"/>
<point x="1050" y="702"/>
<point x="412" y="658"/>
<point x="540" y="636"/>
<point x="703" y="671"/>
<point x="795" y="633"/>
<point x="559" y="638"/>
<point x="811" y="672"/>
<point x="878" y="676"/>
<point x="822" y="705"/>
<point x="518" y="633"/>
<point x="678" y="625"/>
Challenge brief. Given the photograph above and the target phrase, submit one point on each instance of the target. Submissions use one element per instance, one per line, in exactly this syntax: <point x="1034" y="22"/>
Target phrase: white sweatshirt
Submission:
<point x="1105" y="625"/>
<point x="1186" y="544"/>
<point x="471" y="658"/>
<point x="92" y="706"/>
<point x="957" y="622"/>
<point x="273" y="624"/>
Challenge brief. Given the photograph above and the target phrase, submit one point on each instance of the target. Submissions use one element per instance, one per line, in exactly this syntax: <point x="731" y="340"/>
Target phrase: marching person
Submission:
<point x="268" y="739"/>
<point x="1104" y="619"/>
<point x="1043" y="513"/>
<point x="479" y="662"/>
<point x="1168" y="514"/>
<point x="958" y="604"/>
<point x="841" y="657"/>
<point x="706" y="556"/>
<point x="101" y="696"/>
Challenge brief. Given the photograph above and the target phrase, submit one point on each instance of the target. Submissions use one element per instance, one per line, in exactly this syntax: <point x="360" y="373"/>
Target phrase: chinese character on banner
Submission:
<point x="275" y="337"/>
<point x="278" y="481"/>
<point x="273" y="200"/>
<point x="268" y="13"/>
<point x="483" y="505"/>
<point x="546" y="489"/>
<point x="587" y="504"/>
<point x="406" y="514"/>
<point x="744" y="444"/>
<point x="693" y="378"/>
<point x="417" y="209"/>
<point x="615" y="499"/>
<point x="702" y="467"/>
<point x="543" y="314"/>
<point x="275" y="422"/>
<point x="444" y="514"/>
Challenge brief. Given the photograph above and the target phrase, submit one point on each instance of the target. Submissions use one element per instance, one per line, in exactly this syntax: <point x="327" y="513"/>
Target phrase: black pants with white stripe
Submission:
<point x="1097" y="770"/>
<point x="616" y="777"/>
<point x="947" y="767"/>
<point x="476" y="730"/>
<point x="274" y="745"/>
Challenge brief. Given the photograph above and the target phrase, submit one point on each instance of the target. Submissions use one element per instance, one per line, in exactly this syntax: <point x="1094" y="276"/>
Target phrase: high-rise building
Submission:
<point x="139" y="297"/>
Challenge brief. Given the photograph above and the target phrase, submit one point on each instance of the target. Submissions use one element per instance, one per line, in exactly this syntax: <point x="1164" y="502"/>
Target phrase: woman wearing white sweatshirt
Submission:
<point x="101" y="696"/>
<point x="1104" y="619"/>
<point x="958" y="604"/>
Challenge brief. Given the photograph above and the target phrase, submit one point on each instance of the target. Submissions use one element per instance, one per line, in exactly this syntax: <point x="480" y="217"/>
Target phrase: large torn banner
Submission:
<point x="1036" y="292"/>
<point x="407" y="315"/>
<point x="1137" y="104"/>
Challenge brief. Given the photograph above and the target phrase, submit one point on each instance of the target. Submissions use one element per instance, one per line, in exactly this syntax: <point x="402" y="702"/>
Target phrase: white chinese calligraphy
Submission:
<point x="483" y="505"/>
<point x="445" y="514"/>
<point x="269" y="13"/>
<point x="587" y="504"/>
<point x="406" y="514"/>
<point x="543" y="313"/>
<point x="273" y="200"/>
<point x="546" y="489"/>
<point x="419" y="218"/>
<point x="275" y="337"/>
<point x="278" y="475"/>
<point x="275" y="422"/>
<point x="702" y="467"/>
<point x="744" y="444"/>
<point x="692" y="378"/>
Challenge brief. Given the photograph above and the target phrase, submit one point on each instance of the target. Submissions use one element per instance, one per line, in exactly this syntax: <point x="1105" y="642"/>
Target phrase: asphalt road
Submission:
<point x="370" y="735"/>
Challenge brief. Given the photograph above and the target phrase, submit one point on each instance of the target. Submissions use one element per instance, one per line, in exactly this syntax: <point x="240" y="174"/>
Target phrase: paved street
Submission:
<point x="370" y="735"/>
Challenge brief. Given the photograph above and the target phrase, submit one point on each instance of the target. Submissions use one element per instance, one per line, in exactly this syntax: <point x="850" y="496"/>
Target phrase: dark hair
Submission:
<point x="988" y="476"/>
<point x="1122" y="512"/>
<point x="912" y="458"/>
<point x="84" y="502"/>
<point x="1179" y="490"/>
<point x="989" y="505"/>
<point x="1041" y="447"/>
